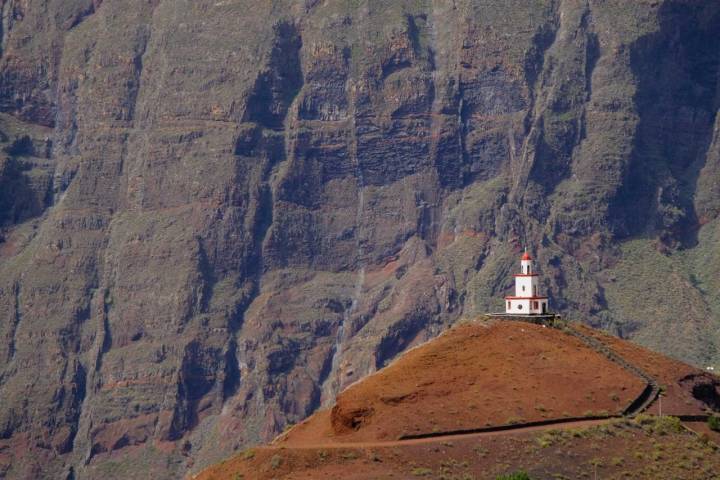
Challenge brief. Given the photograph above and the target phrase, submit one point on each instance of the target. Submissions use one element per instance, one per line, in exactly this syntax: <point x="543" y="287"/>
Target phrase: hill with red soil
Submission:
<point x="489" y="397"/>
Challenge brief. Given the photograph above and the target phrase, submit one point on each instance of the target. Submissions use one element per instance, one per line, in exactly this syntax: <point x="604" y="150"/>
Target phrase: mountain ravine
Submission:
<point x="216" y="214"/>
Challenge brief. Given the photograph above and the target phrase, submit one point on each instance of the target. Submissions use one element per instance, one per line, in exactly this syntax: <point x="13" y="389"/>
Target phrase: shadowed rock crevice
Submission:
<point x="534" y="60"/>
<point x="133" y="83"/>
<point x="31" y="44"/>
<point x="16" y="319"/>
<point x="23" y="193"/>
<point x="569" y="67"/>
<point x="231" y="380"/>
<point x="705" y="388"/>
<point x="399" y="337"/>
<point x="76" y="18"/>
<point x="678" y="63"/>
<point x="277" y="86"/>
<point x="325" y="94"/>
<point x="197" y="377"/>
<point x="77" y="392"/>
<point x="208" y="279"/>
<point x="20" y="146"/>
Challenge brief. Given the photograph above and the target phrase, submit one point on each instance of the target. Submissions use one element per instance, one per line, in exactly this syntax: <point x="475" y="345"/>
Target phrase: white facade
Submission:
<point x="527" y="286"/>
<point x="527" y="299"/>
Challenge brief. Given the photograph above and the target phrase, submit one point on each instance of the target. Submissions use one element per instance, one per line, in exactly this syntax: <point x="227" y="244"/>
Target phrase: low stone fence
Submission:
<point x="651" y="390"/>
<point x="548" y="319"/>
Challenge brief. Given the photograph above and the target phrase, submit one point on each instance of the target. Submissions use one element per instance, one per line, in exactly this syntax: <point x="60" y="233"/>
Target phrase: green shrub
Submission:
<point x="714" y="423"/>
<point x="514" y="476"/>
<point x="667" y="424"/>
<point x="248" y="454"/>
<point x="660" y="425"/>
<point x="421" y="471"/>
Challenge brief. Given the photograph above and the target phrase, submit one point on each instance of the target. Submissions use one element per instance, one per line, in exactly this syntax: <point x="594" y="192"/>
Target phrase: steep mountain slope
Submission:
<point x="217" y="214"/>
<point x="441" y="411"/>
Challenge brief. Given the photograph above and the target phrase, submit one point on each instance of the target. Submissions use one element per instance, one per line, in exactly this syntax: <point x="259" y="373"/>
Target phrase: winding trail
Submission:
<point x="652" y="389"/>
<point x="636" y="406"/>
<point x="564" y="424"/>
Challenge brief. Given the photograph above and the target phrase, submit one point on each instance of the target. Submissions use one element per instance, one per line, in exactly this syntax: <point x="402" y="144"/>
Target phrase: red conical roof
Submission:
<point x="526" y="256"/>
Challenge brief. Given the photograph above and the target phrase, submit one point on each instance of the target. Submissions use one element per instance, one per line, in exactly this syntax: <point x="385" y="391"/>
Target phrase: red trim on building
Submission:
<point x="526" y="298"/>
<point x="525" y="275"/>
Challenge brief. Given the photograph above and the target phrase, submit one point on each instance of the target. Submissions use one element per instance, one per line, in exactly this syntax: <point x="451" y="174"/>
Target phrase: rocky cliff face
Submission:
<point x="217" y="214"/>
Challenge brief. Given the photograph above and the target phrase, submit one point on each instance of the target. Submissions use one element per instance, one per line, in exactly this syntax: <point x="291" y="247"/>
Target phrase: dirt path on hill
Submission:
<point x="652" y="389"/>
<point x="559" y="425"/>
<point x="638" y="405"/>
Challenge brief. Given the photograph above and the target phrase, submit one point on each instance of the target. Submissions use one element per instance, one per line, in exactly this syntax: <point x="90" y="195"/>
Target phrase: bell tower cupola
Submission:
<point x="526" y="264"/>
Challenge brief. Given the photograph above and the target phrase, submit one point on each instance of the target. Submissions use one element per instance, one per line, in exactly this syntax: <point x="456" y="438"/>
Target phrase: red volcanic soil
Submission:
<point x="485" y="374"/>
<point x="686" y="389"/>
<point x="476" y="375"/>
<point x="620" y="449"/>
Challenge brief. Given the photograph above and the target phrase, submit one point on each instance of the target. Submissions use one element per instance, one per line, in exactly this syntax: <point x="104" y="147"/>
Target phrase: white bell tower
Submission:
<point x="527" y="299"/>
